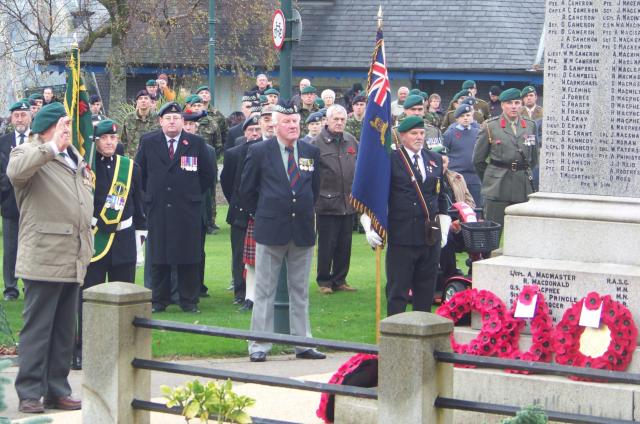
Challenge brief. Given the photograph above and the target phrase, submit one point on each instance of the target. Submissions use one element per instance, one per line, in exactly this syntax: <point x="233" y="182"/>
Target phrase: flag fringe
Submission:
<point x="360" y="207"/>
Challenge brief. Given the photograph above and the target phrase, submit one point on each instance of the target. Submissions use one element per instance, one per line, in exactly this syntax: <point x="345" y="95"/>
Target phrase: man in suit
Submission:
<point x="248" y="100"/>
<point x="175" y="174"/>
<point x="237" y="216"/>
<point x="279" y="187"/>
<point x="118" y="218"/>
<point x="54" y="194"/>
<point x="414" y="244"/>
<point x="20" y="121"/>
<point x="504" y="156"/>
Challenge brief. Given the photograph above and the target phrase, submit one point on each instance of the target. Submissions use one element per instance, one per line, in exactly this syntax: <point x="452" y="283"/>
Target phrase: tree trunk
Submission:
<point x="117" y="71"/>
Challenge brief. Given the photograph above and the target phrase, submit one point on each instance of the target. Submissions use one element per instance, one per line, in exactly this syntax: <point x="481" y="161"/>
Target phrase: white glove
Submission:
<point x="141" y="236"/>
<point x="445" y="223"/>
<point x="373" y="238"/>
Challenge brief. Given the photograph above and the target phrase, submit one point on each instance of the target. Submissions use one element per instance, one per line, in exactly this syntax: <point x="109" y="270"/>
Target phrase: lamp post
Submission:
<point x="212" y="50"/>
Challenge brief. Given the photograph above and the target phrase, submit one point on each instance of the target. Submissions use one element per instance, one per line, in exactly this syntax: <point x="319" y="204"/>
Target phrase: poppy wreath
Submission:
<point x="541" y="330"/>
<point x="615" y="316"/>
<point x="498" y="328"/>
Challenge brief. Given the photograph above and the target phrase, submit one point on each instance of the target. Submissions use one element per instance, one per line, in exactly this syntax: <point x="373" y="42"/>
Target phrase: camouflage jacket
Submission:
<point x="353" y="127"/>
<point x="220" y="119"/>
<point x="209" y="130"/>
<point x="133" y="127"/>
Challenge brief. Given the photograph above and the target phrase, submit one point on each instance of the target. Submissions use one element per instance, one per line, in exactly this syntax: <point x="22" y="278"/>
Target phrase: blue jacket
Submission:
<point x="280" y="216"/>
<point x="460" y="144"/>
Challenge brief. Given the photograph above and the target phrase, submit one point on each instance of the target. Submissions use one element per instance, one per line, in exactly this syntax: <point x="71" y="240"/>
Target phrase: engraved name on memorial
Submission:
<point x="591" y="141"/>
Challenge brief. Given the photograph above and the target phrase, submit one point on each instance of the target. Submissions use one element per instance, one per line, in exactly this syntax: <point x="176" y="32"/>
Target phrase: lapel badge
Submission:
<point x="185" y="142"/>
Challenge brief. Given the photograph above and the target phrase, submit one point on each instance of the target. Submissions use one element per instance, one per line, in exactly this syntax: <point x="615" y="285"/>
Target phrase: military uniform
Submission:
<point x="482" y="107"/>
<point x="353" y="127"/>
<point x="223" y="128"/>
<point x="449" y="119"/>
<point x="534" y="115"/>
<point x="504" y="155"/>
<point x="134" y="127"/>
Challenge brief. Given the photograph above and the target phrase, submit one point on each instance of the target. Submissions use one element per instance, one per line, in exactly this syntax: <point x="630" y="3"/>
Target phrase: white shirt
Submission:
<point x="64" y="154"/>
<point x="26" y="137"/>
<point x="175" y="142"/>
<point x="423" y="171"/>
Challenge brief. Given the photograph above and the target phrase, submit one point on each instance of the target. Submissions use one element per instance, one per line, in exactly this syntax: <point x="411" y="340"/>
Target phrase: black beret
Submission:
<point x="251" y="120"/>
<point x="142" y="93"/>
<point x="94" y="99"/>
<point x="171" y="107"/>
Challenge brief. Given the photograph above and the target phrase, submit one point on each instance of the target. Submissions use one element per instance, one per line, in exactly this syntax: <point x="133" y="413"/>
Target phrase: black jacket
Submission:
<point x="406" y="217"/>
<point x="8" y="206"/>
<point x="234" y="132"/>
<point x="280" y="216"/>
<point x="230" y="182"/>
<point x="173" y="195"/>
<point x="123" y="248"/>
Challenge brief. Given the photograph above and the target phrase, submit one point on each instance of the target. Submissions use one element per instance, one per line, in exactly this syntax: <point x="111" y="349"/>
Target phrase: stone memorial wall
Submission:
<point x="591" y="142"/>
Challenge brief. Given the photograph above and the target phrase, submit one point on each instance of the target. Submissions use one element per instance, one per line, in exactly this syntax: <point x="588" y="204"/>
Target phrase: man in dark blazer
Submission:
<point x="175" y="174"/>
<point x="279" y="187"/>
<point x="248" y="100"/>
<point x="237" y="216"/>
<point x="412" y="260"/>
<point x="21" y="121"/>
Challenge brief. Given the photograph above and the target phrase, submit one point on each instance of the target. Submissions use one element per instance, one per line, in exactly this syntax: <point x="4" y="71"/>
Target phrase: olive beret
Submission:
<point x="413" y="100"/>
<point x="528" y="89"/>
<point x="47" y="116"/>
<point x="106" y="126"/>
<point x="20" y="105"/>
<point x="308" y="89"/>
<point x="462" y="109"/>
<point x="510" y="94"/>
<point x="468" y="84"/>
<point x="409" y="123"/>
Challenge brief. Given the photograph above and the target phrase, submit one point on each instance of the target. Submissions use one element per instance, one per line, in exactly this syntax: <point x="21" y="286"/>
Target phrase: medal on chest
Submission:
<point x="305" y="164"/>
<point x="189" y="163"/>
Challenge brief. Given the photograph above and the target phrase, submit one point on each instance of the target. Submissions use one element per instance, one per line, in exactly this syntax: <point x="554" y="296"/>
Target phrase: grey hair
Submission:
<point x="335" y="108"/>
<point x="329" y="93"/>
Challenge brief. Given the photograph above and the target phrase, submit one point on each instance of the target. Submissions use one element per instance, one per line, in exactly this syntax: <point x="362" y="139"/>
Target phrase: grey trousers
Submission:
<point x="10" y="245"/>
<point x="268" y="263"/>
<point x="46" y="340"/>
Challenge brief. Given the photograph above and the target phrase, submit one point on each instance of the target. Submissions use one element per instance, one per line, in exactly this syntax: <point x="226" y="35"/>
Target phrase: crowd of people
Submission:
<point x="287" y="175"/>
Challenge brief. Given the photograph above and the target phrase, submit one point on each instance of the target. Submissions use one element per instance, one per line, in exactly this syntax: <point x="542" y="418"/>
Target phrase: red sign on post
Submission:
<point x="278" y="29"/>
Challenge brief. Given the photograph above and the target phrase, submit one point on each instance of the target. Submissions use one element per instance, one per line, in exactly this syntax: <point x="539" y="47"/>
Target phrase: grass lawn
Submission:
<point x="340" y="316"/>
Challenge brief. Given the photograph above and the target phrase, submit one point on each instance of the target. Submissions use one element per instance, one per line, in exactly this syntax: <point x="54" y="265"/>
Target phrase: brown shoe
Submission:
<point x="325" y="290"/>
<point x="65" y="403"/>
<point x="345" y="287"/>
<point x="31" y="406"/>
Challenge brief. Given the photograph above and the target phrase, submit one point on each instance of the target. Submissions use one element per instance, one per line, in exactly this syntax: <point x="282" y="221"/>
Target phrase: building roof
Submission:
<point x="469" y="35"/>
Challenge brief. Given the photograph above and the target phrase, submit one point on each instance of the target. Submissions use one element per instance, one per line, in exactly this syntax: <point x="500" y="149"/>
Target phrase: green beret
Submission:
<point x="415" y="92"/>
<point x="528" y="89"/>
<point x="424" y="95"/>
<point x="413" y="100"/>
<point x="409" y="123"/>
<point x="319" y="102"/>
<point x="202" y="88"/>
<point x="36" y="96"/>
<point x="151" y="83"/>
<point x="106" y="126"/>
<point x="47" y="116"/>
<point x="263" y="100"/>
<point x="272" y="91"/>
<point x="171" y="107"/>
<point x="510" y="94"/>
<point x="20" y="105"/>
<point x="308" y="89"/>
<point x="460" y="94"/>
<point x="193" y="98"/>
<point x="462" y="109"/>
<point x="468" y="84"/>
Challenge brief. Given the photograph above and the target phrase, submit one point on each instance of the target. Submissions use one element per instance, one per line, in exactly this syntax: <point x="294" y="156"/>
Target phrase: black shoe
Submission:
<point x="205" y="294"/>
<point x="158" y="308"/>
<point x="258" y="357"/>
<point x="76" y="362"/>
<point x="311" y="354"/>
<point x="247" y="306"/>
<point x="10" y="297"/>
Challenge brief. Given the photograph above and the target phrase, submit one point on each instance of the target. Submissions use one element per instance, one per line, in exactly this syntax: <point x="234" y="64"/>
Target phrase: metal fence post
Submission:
<point x="110" y="343"/>
<point x="409" y="378"/>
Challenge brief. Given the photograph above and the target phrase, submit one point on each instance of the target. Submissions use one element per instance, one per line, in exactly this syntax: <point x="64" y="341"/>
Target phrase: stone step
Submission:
<point x="607" y="400"/>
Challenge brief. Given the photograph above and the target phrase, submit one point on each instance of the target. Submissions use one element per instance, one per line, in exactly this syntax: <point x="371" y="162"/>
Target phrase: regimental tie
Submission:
<point x="21" y="139"/>
<point x="416" y="166"/>
<point x="171" y="150"/>
<point x="293" y="171"/>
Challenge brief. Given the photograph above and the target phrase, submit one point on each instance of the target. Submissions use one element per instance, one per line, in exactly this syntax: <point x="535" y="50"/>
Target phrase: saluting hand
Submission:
<point x="62" y="134"/>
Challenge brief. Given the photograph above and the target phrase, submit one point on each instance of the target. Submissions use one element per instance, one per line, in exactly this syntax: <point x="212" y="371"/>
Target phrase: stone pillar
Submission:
<point x="110" y="343"/>
<point x="409" y="378"/>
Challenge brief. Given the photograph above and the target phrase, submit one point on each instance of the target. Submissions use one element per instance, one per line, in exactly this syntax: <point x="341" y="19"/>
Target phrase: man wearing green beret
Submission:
<point x="307" y="98"/>
<point x="529" y="107"/>
<point x="119" y="223"/>
<point x="205" y="94"/>
<point x="35" y="100"/>
<point x="505" y="154"/>
<point x="137" y="123"/>
<point x="414" y="106"/>
<point x="414" y="237"/>
<point x="480" y="105"/>
<point x="152" y="87"/>
<point x="54" y="193"/>
<point x="272" y="96"/>
<point x="20" y="122"/>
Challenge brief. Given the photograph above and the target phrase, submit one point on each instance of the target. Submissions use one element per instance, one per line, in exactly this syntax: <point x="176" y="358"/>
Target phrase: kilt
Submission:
<point x="249" y="252"/>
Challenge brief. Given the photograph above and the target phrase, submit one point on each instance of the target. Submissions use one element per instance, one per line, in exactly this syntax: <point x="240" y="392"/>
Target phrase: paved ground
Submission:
<point x="274" y="403"/>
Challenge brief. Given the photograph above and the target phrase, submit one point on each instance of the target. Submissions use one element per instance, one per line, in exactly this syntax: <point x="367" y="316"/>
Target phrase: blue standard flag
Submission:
<point x="370" y="189"/>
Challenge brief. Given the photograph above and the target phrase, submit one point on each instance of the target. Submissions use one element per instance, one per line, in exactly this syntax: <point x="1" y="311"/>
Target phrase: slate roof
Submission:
<point x="483" y="35"/>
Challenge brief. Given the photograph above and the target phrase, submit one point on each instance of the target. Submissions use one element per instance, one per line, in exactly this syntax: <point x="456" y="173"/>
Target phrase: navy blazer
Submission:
<point x="280" y="216"/>
<point x="173" y="195"/>
<point x="406" y="217"/>
<point x="230" y="182"/>
<point x="8" y="204"/>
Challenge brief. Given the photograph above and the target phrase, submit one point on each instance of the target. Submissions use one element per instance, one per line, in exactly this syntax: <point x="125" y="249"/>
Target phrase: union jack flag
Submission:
<point x="370" y="188"/>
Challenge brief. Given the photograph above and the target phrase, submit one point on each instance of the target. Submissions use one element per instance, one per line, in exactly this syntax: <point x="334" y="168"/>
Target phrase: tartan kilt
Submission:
<point x="249" y="252"/>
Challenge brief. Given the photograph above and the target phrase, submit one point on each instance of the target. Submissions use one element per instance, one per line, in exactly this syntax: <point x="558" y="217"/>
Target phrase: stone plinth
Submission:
<point x="351" y="410"/>
<point x="110" y="343"/>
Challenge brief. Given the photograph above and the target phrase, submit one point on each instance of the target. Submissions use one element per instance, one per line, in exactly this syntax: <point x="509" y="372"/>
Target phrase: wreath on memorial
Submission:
<point x="541" y="329"/>
<point x="498" y="328"/>
<point x="610" y="347"/>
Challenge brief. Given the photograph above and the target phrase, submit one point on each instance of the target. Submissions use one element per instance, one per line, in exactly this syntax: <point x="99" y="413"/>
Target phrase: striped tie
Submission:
<point x="293" y="171"/>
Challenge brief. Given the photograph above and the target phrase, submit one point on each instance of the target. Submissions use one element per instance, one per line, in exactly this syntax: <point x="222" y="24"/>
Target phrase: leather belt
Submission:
<point x="514" y="166"/>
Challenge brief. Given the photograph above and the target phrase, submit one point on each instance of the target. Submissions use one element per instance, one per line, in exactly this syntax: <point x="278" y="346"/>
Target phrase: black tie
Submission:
<point x="21" y="138"/>
<point x="417" y="167"/>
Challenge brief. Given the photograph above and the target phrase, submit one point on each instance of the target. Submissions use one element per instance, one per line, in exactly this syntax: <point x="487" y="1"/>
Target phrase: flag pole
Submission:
<point x="378" y="248"/>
